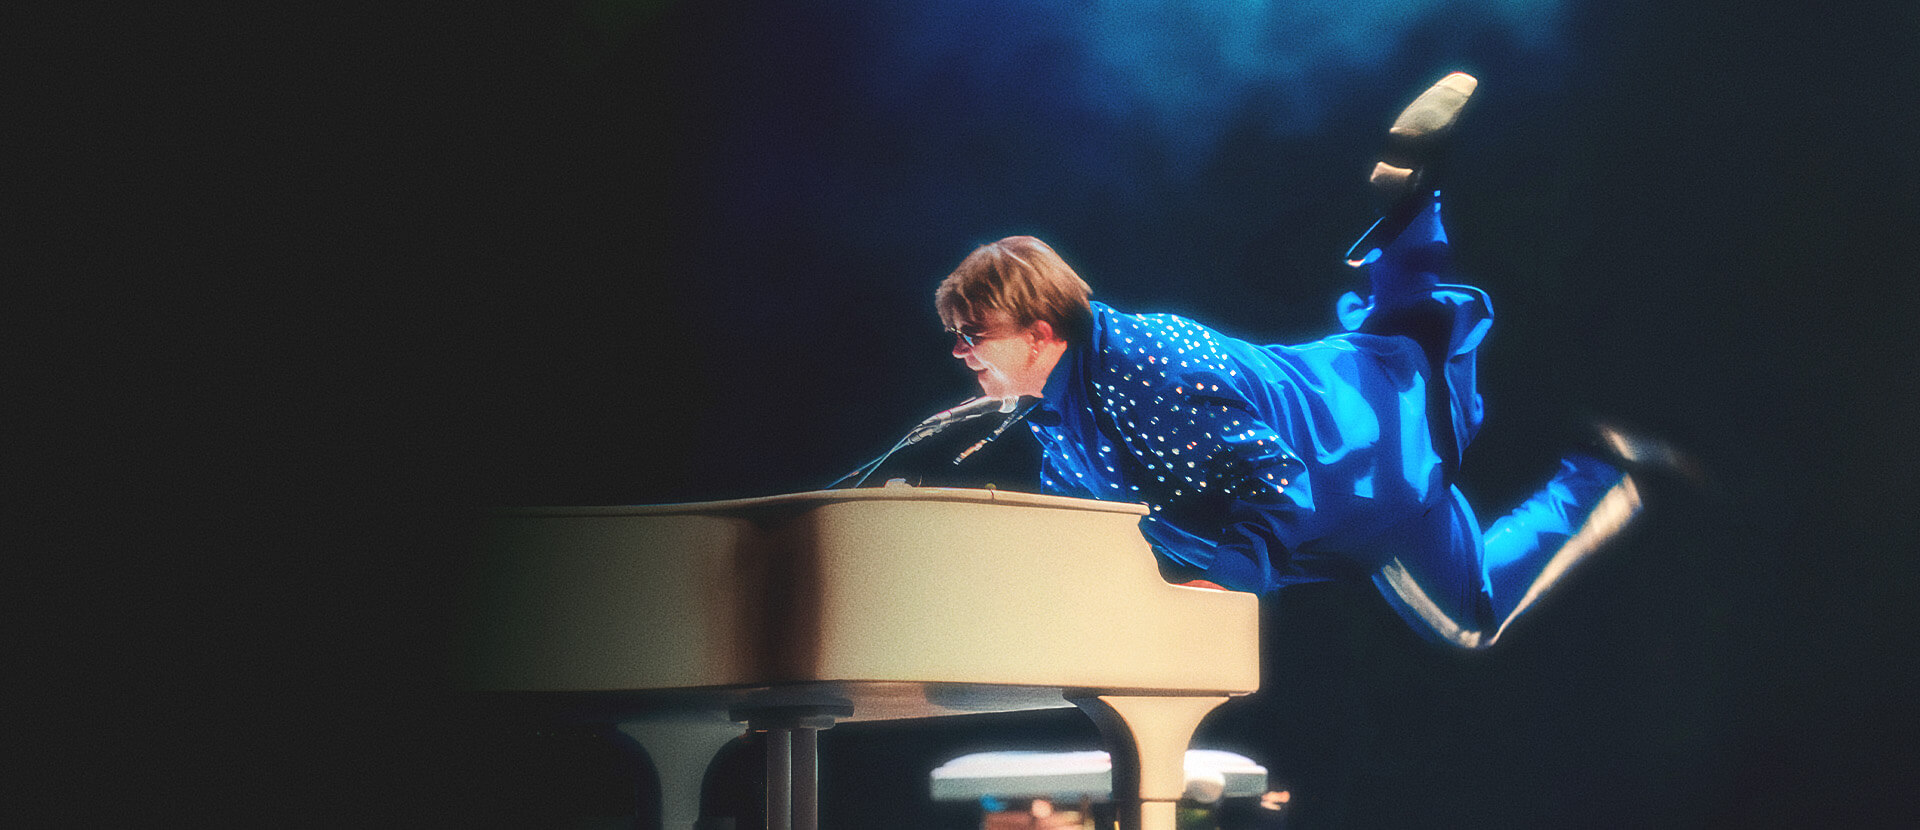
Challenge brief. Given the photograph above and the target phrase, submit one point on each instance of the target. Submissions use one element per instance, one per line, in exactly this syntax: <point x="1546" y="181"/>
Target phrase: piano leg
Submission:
<point x="780" y="783"/>
<point x="681" y="753"/>
<point x="1147" y="739"/>
<point x="793" y="779"/>
<point x="806" y="767"/>
<point x="793" y="760"/>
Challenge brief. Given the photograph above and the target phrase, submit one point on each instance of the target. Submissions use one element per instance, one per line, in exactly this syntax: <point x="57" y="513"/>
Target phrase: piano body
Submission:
<point x="792" y="612"/>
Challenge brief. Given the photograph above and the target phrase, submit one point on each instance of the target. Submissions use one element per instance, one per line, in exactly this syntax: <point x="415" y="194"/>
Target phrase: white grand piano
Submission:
<point x="688" y="624"/>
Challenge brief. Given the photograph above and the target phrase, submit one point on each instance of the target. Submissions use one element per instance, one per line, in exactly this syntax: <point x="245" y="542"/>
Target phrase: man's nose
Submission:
<point x="960" y="347"/>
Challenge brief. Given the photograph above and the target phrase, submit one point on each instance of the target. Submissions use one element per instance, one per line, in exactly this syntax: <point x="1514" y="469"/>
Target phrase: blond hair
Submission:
<point x="1024" y="278"/>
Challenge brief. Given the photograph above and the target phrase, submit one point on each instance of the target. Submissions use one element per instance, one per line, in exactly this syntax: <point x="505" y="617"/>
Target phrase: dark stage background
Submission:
<point x="374" y="274"/>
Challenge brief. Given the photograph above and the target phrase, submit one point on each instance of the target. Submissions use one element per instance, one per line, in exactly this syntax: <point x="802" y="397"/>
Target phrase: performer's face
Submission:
<point x="1003" y="357"/>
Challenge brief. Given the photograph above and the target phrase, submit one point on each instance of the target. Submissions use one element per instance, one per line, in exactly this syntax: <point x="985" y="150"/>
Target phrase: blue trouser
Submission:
<point x="1447" y="577"/>
<point x="1517" y="547"/>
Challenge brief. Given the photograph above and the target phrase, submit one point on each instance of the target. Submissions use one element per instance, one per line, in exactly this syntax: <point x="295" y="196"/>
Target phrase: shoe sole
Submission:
<point x="1415" y="143"/>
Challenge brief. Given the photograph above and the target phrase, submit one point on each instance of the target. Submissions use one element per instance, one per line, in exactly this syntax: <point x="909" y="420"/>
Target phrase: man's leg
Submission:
<point x="1407" y="259"/>
<point x="1408" y="301"/>
<point x="1524" y="554"/>
<point x="1587" y="503"/>
<point x="1437" y="581"/>
<point x="1405" y="273"/>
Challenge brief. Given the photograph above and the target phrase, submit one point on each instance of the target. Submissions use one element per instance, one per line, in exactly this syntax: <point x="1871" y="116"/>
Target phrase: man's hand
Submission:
<point x="1200" y="583"/>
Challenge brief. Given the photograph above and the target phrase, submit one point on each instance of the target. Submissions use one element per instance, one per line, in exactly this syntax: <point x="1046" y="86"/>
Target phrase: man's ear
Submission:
<point x="1043" y="331"/>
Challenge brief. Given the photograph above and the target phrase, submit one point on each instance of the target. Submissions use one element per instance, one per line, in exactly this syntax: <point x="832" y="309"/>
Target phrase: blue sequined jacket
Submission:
<point x="1262" y="465"/>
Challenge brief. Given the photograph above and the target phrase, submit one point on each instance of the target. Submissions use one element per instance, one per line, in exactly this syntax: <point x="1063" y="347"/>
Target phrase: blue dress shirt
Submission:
<point x="1262" y="466"/>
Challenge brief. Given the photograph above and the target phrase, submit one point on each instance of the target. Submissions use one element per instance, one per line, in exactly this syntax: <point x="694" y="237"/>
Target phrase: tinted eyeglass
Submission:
<point x="972" y="340"/>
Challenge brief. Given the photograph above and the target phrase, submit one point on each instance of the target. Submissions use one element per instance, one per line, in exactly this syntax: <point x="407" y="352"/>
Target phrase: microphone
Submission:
<point x="941" y="420"/>
<point x="975" y="408"/>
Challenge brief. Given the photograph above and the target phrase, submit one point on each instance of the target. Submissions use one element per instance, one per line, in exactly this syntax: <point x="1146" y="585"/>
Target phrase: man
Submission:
<point x="1266" y="466"/>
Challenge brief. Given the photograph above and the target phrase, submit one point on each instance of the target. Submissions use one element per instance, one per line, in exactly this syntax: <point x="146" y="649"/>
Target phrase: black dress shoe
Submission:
<point x="1408" y="171"/>
<point x="1662" y="471"/>
<point x="1647" y="457"/>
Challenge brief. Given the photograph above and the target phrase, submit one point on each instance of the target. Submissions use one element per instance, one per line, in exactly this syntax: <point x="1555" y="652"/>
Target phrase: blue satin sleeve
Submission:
<point x="1238" y="493"/>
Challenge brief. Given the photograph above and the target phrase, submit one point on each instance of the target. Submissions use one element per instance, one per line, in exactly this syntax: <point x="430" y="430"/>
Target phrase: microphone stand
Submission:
<point x="868" y="468"/>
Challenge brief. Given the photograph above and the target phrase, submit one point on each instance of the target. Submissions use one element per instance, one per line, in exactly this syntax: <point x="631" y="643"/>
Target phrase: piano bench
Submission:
<point x="1017" y="780"/>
